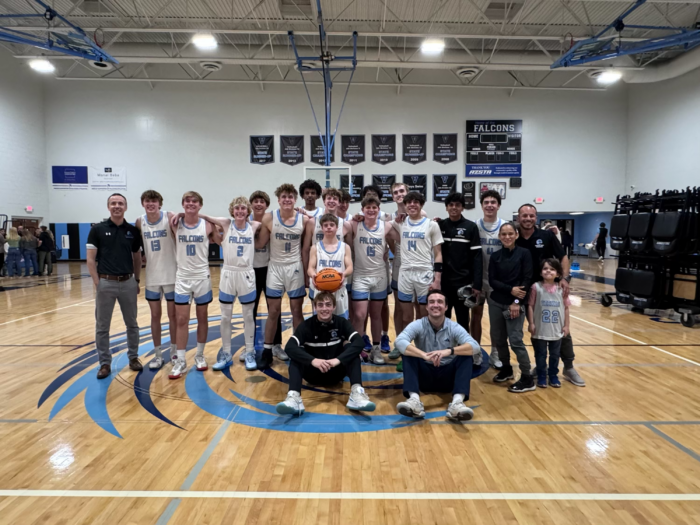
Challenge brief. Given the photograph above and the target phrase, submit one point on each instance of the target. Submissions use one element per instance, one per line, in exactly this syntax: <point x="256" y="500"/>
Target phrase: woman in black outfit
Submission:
<point x="510" y="277"/>
<point x="600" y="241"/>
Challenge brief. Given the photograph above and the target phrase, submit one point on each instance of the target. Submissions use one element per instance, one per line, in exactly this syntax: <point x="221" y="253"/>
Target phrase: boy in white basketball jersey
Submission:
<point x="161" y="267"/>
<point x="314" y="232"/>
<point x="284" y="229"/>
<point x="237" y="278"/>
<point x="330" y="252"/>
<point x="421" y="257"/>
<point x="488" y="226"/>
<point x="310" y="191"/>
<point x="370" y="281"/>
<point x="192" y="236"/>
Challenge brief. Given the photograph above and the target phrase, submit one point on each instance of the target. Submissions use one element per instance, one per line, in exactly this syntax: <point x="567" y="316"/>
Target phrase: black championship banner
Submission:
<point x="358" y="181"/>
<point x="262" y="149"/>
<point x="444" y="147"/>
<point x="317" y="154"/>
<point x="352" y="149"/>
<point x="292" y="147"/>
<point x="384" y="182"/>
<point x="417" y="183"/>
<point x="469" y="192"/>
<point x="414" y="147"/>
<point x="383" y="148"/>
<point x="443" y="185"/>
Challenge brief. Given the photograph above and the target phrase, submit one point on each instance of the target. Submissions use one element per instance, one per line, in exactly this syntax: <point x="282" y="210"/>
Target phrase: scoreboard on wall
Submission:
<point x="494" y="148"/>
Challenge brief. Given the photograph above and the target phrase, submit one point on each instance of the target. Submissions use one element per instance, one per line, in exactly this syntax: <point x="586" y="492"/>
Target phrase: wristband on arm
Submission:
<point x="437" y="267"/>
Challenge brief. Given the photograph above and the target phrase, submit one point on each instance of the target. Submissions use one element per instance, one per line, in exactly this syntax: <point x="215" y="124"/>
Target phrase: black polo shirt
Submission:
<point x="462" y="262"/>
<point x="115" y="246"/>
<point x="542" y="244"/>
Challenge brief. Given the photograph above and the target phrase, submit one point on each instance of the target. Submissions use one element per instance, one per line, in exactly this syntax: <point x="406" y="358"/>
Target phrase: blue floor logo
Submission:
<point x="239" y="409"/>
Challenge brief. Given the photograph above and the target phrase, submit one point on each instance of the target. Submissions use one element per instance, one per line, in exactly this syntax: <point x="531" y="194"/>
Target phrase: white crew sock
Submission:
<point x="384" y="332"/>
<point x="226" y="311"/>
<point x="458" y="398"/>
<point x="357" y="387"/>
<point x="414" y="395"/>
<point x="158" y="351"/>
<point x="173" y="349"/>
<point x="248" y="327"/>
<point x="200" y="349"/>
<point x="181" y="355"/>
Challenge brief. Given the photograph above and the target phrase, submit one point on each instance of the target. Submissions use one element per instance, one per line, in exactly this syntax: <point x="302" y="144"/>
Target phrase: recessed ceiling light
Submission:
<point x="576" y="213"/>
<point x="432" y="46"/>
<point x="204" y="41"/>
<point x="609" y="77"/>
<point x="42" y="66"/>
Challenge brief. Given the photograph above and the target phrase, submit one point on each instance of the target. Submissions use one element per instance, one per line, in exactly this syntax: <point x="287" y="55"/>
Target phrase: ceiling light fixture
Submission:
<point x="42" y="66"/>
<point x="609" y="77"/>
<point x="204" y="41"/>
<point x="432" y="46"/>
<point x="576" y="213"/>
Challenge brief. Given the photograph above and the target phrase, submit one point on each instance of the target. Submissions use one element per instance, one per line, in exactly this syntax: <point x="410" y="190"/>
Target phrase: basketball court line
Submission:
<point x="636" y="340"/>
<point x="46" y="312"/>
<point x="387" y="496"/>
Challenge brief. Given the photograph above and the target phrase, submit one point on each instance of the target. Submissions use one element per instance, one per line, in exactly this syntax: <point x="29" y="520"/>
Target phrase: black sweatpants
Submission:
<point x="461" y="311"/>
<point x="421" y="376"/>
<point x="260" y="280"/>
<point x="600" y="248"/>
<point x="314" y="376"/>
<point x="567" y="351"/>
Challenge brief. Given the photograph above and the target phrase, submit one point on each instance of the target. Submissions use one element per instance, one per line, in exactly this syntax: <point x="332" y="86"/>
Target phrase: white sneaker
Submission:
<point x="494" y="361"/>
<point x="201" y="363"/>
<point x="375" y="356"/>
<point x="411" y="408"/>
<point x="600" y="258"/>
<point x="179" y="369"/>
<point x="359" y="400"/>
<point x="293" y="405"/>
<point x="224" y="361"/>
<point x="156" y="363"/>
<point x="459" y="412"/>
<point x="250" y="362"/>
<point x="478" y="358"/>
<point x="279" y="353"/>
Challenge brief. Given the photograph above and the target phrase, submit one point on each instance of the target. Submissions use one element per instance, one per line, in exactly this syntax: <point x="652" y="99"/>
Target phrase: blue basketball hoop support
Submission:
<point x="606" y="47"/>
<point x="326" y="59"/>
<point x="74" y="43"/>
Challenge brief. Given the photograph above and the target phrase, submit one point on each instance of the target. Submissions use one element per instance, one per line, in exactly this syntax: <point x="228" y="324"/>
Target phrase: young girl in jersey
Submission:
<point x="548" y="317"/>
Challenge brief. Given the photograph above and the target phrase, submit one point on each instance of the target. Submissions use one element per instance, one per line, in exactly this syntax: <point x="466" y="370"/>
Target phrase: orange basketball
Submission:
<point x="328" y="280"/>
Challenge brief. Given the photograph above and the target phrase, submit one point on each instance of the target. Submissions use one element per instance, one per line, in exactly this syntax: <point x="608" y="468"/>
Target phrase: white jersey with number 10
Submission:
<point x="192" y="251"/>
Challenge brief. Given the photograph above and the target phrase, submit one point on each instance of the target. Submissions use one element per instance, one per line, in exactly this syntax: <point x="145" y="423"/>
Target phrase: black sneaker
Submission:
<point x="504" y="374"/>
<point x="524" y="384"/>
<point x="265" y="360"/>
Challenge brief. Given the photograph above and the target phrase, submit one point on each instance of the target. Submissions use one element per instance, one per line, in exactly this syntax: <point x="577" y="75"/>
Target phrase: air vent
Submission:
<point x="210" y="66"/>
<point x="104" y="66"/>
<point x="296" y="8"/>
<point x="500" y="11"/>
<point x="467" y="72"/>
<point x="94" y="7"/>
<point x="595" y="73"/>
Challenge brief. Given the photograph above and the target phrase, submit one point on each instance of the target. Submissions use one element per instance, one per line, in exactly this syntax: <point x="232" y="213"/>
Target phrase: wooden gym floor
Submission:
<point x="210" y="448"/>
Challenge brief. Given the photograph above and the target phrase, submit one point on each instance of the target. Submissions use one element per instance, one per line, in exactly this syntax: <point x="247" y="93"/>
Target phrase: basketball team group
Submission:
<point x="350" y="266"/>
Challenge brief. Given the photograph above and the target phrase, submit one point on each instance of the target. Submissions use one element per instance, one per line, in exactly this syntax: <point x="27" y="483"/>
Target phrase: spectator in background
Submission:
<point x="600" y="241"/>
<point x="28" y="245"/>
<point x="567" y="242"/>
<point x="2" y="251"/>
<point x="46" y="247"/>
<point x="13" y="254"/>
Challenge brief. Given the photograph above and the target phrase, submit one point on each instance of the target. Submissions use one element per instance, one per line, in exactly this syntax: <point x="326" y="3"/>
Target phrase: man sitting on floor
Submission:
<point x="437" y="358"/>
<point x="324" y="350"/>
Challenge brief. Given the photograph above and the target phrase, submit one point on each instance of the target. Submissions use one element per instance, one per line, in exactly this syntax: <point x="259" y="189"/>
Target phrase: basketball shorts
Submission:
<point x="154" y="293"/>
<point x="388" y="278"/>
<point x="237" y="283"/>
<point x="348" y="284"/>
<point x="414" y="284"/>
<point x="372" y="288"/>
<point x="287" y="278"/>
<point x="187" y="289"/>
<point x="341" y="301"/>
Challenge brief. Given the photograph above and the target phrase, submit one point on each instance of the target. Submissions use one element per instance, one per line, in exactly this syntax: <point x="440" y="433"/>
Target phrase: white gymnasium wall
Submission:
<point x="179" y="137"/>
<point x="663" y="134"/>
<point x="22" y="146"/>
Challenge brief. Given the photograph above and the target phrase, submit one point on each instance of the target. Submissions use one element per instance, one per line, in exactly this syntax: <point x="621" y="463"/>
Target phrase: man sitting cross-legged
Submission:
<point x="437" y="357"/>
<point x="323" y="350"/>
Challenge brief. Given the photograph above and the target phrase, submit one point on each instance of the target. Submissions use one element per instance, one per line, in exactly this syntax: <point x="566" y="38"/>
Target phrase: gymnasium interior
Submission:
<point x="586" y="110"/>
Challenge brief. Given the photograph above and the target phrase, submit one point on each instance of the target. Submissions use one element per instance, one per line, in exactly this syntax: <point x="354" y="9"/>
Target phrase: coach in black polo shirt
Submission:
<point x="543" y="244"/>
<point x="114" y="262"/>
<point x="462" y="263"/>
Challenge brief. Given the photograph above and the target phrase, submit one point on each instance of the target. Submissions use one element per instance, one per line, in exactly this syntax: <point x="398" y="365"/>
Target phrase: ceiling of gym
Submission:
<point x="504" y="43"/>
